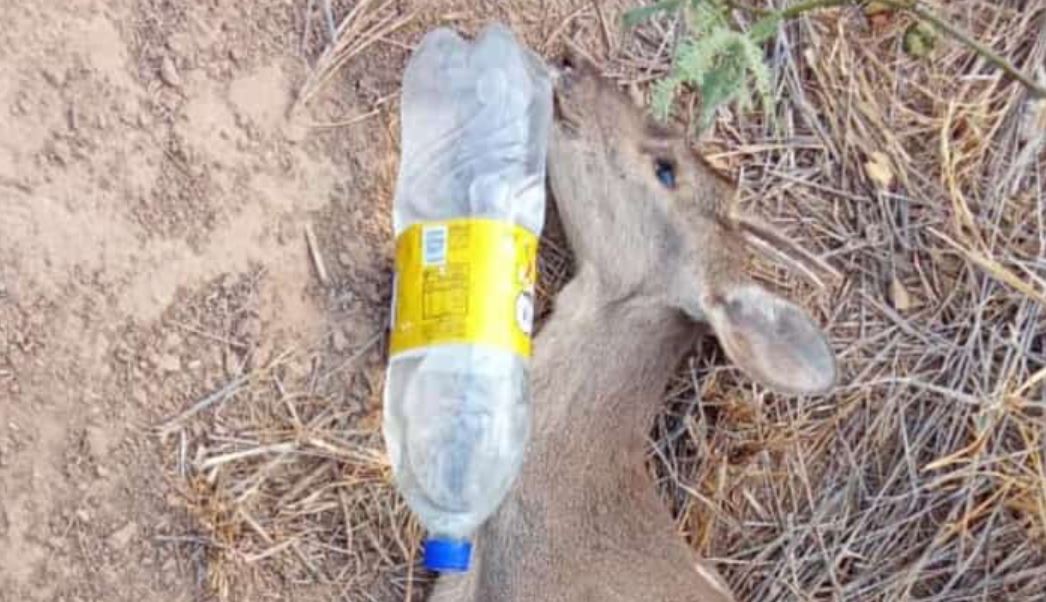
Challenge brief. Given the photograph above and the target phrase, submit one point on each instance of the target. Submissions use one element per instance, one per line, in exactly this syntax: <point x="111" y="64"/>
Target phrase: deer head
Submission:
<point x="647" y="217"/>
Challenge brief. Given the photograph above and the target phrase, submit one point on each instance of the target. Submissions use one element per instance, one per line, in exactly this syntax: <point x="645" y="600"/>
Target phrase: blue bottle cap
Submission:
<point x="447" y="555"/>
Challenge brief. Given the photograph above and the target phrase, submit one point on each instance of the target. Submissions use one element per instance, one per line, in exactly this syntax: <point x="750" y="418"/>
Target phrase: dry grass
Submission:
<point x="921" y="182"/>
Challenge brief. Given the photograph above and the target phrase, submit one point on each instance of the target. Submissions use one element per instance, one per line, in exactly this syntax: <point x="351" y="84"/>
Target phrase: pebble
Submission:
<point x="53" y="77"/>
<point x="97" y="441"/>
<point x="339" y="341"/>
<point x="139" y="396"/>
<point x="123" y="354"/>
<point x="169" y="362"/>
<point x="60" y="151"/>
<point x="169" y="73"/>
<point x="122" y="537"/>
<point x="899" y="296"/>
<point x="172" y="341"/>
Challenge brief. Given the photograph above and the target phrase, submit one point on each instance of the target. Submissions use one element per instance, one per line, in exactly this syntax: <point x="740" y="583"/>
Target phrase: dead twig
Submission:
<point x="316" y="256"/>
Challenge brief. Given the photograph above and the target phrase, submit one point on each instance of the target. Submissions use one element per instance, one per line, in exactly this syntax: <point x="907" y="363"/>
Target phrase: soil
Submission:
<point x="155" y="192"/>
<point x="153" y="199"/>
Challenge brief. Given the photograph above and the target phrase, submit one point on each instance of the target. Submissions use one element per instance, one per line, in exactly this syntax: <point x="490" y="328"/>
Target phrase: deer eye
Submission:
<point x="666" y="173"/>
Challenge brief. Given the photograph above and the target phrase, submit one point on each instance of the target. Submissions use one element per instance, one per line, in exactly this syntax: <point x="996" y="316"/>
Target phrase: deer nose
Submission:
<point x="562" y="72"/>
<point x="570" y="67"/>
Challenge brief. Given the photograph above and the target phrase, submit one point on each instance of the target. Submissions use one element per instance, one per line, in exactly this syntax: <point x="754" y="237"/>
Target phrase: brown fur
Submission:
<point x="583" y="522"/>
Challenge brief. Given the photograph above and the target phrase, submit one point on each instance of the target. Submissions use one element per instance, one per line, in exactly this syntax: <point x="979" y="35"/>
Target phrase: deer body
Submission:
<point x="584" y="522"/>
<point x="656" y="258"/>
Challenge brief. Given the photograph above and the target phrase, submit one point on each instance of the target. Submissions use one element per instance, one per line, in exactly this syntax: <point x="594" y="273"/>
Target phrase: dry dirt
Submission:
<point x="154" y="198"/>
<point x="152" y="205"/>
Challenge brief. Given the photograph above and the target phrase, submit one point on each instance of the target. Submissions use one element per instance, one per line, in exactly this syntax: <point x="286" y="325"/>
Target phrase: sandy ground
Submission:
<point x="154" y="197"/>
<point x="152" y="205"/>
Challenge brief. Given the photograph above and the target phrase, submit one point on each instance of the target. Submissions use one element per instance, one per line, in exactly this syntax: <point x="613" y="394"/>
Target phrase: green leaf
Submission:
<point x="920" y="39"/>
<point x="723" y="63"/>
<point x="706" y="16"/>
<point x="663" y="97"/>
<point x="765" y="28"/>
<point x="644" y="13"/>
<point x="719" y="87"/>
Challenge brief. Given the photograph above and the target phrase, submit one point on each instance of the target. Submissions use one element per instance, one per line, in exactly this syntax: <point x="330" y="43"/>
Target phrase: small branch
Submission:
<point x="920" y="11"/>
<point x="219" y="395"/>
<point x="755" y="10"/>
<point x="316" y="255"/>
<point x="608" y="42"/>
<point x="988" y="54"/>
<point x="804" y="7"/>
<point x="332" y="27"/>
<point x="789" y="13"/>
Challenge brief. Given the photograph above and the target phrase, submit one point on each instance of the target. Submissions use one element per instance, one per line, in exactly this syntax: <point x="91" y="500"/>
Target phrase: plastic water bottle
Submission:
<point x="469" y="207"/>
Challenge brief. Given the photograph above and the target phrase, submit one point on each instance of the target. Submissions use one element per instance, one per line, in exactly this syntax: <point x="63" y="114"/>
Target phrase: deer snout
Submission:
<point x="570" y="63"/>
<point x="560" y="70"/>
<point x="574" y="76"/>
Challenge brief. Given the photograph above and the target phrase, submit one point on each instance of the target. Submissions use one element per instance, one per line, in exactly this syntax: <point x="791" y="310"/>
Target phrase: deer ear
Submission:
<point x="772" y="340"/>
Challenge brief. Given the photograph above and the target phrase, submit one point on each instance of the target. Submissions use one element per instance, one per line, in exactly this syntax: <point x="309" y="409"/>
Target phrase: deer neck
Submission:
<point x="599" y="373"/>
<point x="598" y="376"/>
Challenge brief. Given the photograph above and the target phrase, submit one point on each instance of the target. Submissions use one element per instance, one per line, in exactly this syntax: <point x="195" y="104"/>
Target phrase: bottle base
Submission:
<point x="447" y="555"/>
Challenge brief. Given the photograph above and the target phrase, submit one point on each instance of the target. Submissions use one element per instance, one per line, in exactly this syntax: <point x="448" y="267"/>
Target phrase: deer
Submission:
<point x="659" y="261"/>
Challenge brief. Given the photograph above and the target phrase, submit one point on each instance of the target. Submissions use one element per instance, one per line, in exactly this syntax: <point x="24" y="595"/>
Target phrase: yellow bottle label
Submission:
<point x="464" y="281"/>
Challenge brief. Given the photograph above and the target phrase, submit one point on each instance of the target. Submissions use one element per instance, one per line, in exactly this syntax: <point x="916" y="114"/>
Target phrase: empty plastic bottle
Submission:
<point x="469" y="207"/>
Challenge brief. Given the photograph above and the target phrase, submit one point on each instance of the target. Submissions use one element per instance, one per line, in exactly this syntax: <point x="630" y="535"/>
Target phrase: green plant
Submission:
<point x="724" y="62"/>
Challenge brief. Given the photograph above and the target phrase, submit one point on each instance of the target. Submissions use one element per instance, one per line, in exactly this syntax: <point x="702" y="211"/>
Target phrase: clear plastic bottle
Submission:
<point x="469" y="206"/>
